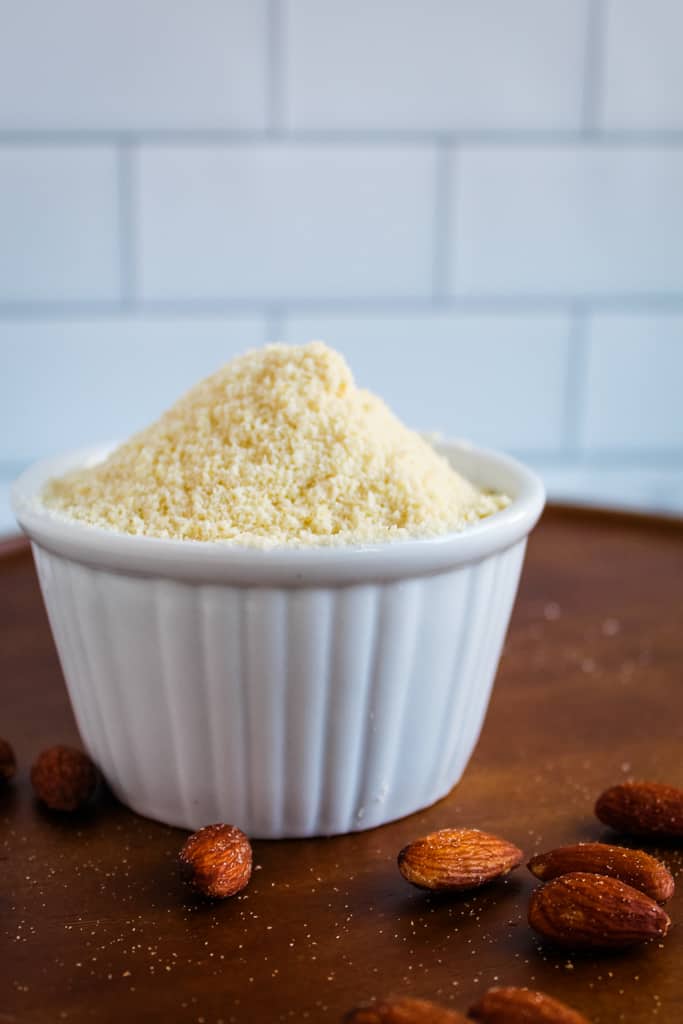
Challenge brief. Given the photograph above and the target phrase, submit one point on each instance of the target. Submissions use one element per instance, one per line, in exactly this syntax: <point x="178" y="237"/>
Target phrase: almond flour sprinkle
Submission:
<point x="278" y="447"/>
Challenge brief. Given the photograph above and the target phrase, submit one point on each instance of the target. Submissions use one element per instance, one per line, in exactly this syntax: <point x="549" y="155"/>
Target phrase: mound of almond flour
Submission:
<point x="278" y="447"/>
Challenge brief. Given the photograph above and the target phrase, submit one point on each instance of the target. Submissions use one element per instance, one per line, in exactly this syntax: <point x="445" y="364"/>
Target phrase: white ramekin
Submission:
<point x="291" y="692"/>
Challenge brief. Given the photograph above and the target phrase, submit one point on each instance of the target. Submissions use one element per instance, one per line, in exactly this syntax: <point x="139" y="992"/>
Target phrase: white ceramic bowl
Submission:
<point x="291" y="692"/>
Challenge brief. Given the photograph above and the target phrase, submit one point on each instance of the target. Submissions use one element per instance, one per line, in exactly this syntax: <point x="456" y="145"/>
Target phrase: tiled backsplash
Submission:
<point x="480" y="202"/>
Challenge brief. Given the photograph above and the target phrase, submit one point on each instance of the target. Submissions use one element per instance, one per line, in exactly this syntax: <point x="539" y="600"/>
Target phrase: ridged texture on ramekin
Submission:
<point x="285" y="711"/>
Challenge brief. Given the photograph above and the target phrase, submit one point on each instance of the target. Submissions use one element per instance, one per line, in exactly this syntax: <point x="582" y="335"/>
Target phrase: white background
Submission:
<point x="479" y="201"/>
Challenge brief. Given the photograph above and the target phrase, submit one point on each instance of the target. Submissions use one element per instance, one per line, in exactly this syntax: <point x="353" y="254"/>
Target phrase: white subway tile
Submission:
<point x="76" y="382"/>
<point x="642" y="85"/>
<point x="269" y="221"/>
<point x="567" y="220"/>
<point x="496" y="379"/>
<point x="634" y="377"/>
<point x="645" y="488"/>
<point x="133" y="64"/>
<point x="59" y="238"/>
<point x="434" y="64"/>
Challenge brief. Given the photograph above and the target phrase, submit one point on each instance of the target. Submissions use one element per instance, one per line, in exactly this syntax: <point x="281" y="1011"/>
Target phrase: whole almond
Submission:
<point x="585" y="911"/>
<point x="404" y="1011"/>
<point x="642" y="809"/>
<point x="8" y="762"/>
<point x="635" y="867"/>
<point x="457" y="859"/>
<point x="63" y="778"/>
<point x="216" y="861"/>
<point x="523" y="1006"/>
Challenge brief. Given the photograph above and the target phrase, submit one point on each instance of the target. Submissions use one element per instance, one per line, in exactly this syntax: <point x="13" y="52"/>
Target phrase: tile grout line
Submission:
<point x="659" y="460"/>
<point x="275" y="317"/>
<point x="127" y="262"/>
<point x="636" y="139"/>
<point x="442" y="269"/>
<point x="275" y="70"/>
<point x="591" y="100"/>
<point x="389" y="305"/>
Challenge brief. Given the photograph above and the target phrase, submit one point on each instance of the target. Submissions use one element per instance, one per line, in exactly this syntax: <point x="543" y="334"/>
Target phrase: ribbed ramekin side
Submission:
<point x="306" y="707"/>
<point x="440" y="638"/>
<point x="223" y="689"/>
<point x="56" y="585"/>
<point x="352" y="657"/>
<point x="491" y="616"/>
<point x="439" y="687"/>
<point x="88" y="651"/>
<point x="395" y="662"/>
<point x="127" y="681"/>
<point x="286" y="711"/>
<point x="482" y="629"/>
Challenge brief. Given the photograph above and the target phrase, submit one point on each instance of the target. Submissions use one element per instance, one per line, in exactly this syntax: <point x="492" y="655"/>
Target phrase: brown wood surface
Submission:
<point x="94" y="924"/>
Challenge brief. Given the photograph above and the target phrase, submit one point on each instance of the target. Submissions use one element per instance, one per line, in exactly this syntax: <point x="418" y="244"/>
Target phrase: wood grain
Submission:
<point x="94" y="925"/>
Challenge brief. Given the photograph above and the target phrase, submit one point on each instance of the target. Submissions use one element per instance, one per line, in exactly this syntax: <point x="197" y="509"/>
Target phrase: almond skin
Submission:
<point x="8" y="762"/>
<point x="523" y="1006"/>
<point x="457" y="859"/>
<point x="216" y="861"/>
<point x="585" y="911"/>
<point x="64" y="779"/>
<point x="642" y="809"/>
<point x="404" y="1011"/>
<point x="635" y="867"/>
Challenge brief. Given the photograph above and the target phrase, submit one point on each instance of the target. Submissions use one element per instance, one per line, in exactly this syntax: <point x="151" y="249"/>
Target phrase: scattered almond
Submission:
<point x="65" y="779"/>
<point x="8" y="762"/>
<point x="586" y="911"/>
<point x="457" y="859"/>
<point x="404" y="1011"/>
<point x="523" y="1006"/>
<point x="635" y="867"/>
<point x="642" y="808"/>
<point x="216" y="861"/>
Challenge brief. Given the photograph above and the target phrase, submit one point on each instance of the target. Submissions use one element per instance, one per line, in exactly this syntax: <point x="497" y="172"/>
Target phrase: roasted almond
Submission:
<point x="63" y="778"/>
<point x="642" y="809"/>
<point x="404" y="1011"/>
<point x="216" y="861"/>
<point x="585" y="911"/>
<point x="523" y="1006"/>
<point x="457" y="859"/>
<point x="635" y="867"/>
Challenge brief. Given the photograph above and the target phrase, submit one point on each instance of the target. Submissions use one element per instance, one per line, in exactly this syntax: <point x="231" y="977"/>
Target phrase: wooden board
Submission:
<point x="94" y="925"/>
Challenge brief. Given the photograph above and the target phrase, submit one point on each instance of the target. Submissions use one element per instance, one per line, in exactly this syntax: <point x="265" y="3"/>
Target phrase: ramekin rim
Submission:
<point x="216" y="561"/>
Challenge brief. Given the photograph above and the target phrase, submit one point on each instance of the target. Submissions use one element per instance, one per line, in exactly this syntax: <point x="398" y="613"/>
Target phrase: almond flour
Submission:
<point x="279" y="447"/>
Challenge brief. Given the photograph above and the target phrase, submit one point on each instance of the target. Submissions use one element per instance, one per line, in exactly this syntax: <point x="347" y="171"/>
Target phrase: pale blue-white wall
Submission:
<point x="479" y="201"/>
